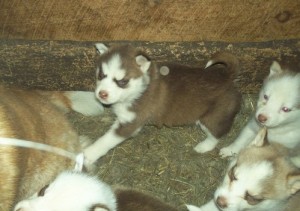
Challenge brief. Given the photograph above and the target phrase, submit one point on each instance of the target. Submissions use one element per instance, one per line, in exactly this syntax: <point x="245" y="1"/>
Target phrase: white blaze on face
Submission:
<point x="112" y="71"/>
<point x="278" y="100"/>
<point x="248" y="179"/>
<point x="71" y="191"/>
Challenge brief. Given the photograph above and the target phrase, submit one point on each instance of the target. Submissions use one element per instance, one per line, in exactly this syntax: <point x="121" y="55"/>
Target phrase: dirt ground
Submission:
<point x="162" y="162"/>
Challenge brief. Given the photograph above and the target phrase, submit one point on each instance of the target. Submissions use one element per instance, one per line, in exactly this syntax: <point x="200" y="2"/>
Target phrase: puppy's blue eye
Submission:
<point x="122" y="83"/>
<point x="266" y="97"/>
<point x="286" y="109"/>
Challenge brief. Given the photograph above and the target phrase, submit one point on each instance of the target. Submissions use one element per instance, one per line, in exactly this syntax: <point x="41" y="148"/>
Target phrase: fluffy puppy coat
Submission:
<point x="278" y="109"/>
<point x="263" y="177"/>
<point x="33" y="116"/>
<point x="133" y="200"/>
<point x="80" y="192"/>
<point x="131" y="83"/>
<point x="71" y="191"/>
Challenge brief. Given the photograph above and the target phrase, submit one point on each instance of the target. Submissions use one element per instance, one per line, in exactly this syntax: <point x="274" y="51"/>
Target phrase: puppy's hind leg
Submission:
<point x="218" y="120"/>
<point x="209" y="143"/>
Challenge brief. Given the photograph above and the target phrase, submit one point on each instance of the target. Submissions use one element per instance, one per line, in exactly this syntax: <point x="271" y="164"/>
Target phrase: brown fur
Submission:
<point x="132" y="200"/>
<point x="28" y="115"/>
<point x="184" y="96"/>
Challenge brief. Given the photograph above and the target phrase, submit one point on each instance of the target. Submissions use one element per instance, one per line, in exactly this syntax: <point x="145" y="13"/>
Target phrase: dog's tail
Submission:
<point x="225" y="65"/>
<point x="79" y="101"/>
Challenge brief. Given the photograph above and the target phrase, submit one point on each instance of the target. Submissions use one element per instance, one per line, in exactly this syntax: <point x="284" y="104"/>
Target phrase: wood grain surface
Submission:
<point x="150" y="20"/>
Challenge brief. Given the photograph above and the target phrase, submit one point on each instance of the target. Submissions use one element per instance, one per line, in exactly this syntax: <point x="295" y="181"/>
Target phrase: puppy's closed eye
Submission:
<point x="231" y="173"/>
<point x="252" y="200"/>
<point x="43" y="191"/>
<point x="99" y="207"/>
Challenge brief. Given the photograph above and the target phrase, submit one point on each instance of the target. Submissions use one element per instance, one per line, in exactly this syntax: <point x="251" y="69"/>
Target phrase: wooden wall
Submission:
<point x="150" y="20"/>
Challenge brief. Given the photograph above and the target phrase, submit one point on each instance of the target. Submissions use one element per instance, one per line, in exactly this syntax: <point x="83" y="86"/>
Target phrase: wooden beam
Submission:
<point x="69" y="65"/>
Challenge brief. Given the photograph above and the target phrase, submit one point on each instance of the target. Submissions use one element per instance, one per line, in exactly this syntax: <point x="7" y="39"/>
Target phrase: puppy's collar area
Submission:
<point x="79" y="159"/>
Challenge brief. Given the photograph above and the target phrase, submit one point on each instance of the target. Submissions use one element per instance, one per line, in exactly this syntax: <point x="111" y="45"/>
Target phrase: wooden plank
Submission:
<point x="69" y="65"/>
<point x="153" y="20"/>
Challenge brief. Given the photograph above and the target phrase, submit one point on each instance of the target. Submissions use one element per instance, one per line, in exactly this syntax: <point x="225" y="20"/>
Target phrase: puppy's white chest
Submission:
<point x="286" y="136"/>
<point x="123" y="113"/>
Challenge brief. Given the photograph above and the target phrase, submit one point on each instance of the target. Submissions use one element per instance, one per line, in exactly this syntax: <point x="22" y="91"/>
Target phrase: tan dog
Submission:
<point x="263" y="176"/>
<point x="30" y="115"/>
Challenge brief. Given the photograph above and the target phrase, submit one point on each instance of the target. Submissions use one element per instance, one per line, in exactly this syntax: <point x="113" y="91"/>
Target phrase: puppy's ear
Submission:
<point x="143" y="62"/>
<point x="101" y="48"/>
<point x="261" y="138"/>
<point x="275" y="68"/>
<point x="99" y="207"/>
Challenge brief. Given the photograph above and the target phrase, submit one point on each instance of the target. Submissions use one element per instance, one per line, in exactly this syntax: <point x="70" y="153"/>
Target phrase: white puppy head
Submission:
<point x="279" y="99"/>
<point x="71" y="191"/>
<point x="122" y="74"/>
<point x="258" y="179"/>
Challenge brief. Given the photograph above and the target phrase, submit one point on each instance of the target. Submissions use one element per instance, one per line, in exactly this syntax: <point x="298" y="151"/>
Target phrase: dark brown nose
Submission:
<point x="221" y="202"/>
<point x="103" y="95"/>
<point x="262" y="118"/>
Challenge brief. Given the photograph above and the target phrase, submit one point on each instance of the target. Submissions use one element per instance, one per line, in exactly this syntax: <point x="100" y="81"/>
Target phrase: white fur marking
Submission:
<point x="209" y="143"/>
<point x="108" y="141"/>
<point x="209" y="63"/>
<point x="71" y="191"/>
<point x="210" y="206"/>
<point x="123" y="113"/>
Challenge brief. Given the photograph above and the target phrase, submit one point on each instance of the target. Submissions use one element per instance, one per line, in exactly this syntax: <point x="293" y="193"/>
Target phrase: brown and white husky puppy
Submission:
<point x="139" y="94"/>
<point x="80" y="192"/>
<point x="262" y="177"/>
<point x="32" y="116"/>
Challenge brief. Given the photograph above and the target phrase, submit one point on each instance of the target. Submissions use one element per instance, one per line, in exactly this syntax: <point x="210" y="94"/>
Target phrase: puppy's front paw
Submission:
<point x="90" y="156"/>
<point x="193" y="208"/>
<point x="227" y="152"/>
<point x="206" y="145"/>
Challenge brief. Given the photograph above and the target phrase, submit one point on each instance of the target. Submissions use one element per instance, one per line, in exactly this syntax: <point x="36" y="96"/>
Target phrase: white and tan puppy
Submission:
<point x="73" y="191"/>
<point x="278" y="109"/>
<point x="262" y="177"/>
<point x="139" y="94"/>
<point x="32" y="116"/>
